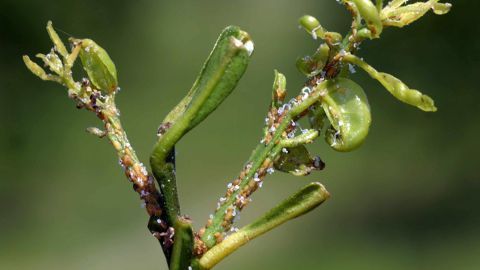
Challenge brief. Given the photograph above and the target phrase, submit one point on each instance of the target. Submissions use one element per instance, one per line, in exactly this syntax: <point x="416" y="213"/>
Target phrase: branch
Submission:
<point x="98" y="96"/>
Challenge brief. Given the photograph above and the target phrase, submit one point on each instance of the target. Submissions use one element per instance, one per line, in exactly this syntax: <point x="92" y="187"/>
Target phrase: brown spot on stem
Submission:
<point x="218" y="237"/>
<point x="127" y="161"/>
<point x="200" y="246"/>
<point x="117" y="145"/>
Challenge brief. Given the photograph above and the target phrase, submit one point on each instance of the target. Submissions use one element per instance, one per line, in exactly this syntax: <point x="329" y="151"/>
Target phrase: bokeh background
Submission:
<point x="408" y="199"/>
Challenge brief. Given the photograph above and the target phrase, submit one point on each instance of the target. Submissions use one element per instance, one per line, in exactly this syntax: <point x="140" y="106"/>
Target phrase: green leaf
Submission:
<point x="220" y="74"/>
<point x="441" y="8"/>
<point x="395" y="3"/>
<point x="395" y="86"/>
<point x="321" y="55"/>
<point x="57" y="42"/>
<point x="402" y="92"/>
<point x="300" y="203"/>
<point x="400" y="16"/>
<point x="217" y="79"/>
<point x="306" y="65"/>
<point x="297" y="161"/>
<point x="348" y="111"/>
<point x="312" y="26"/>
<point x="38" y="71"/>
<point x="313" y="65"/>
<point x="35" y="68"/>
<point x="99" y="66"/>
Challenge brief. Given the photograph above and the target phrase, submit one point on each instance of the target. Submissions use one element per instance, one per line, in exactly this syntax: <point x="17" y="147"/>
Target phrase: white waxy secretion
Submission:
<point x="249" y="47"/>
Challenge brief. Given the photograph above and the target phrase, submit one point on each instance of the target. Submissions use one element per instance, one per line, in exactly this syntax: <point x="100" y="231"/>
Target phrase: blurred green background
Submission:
<point x="407" y="199"/>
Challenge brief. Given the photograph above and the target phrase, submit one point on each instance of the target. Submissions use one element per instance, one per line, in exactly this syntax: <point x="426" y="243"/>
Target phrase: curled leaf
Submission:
<point x="321" y="55"/>
<point x="297" y="161"/>
<point x="305" y="65"/>
<point x="364" y="33"/>
<point x="99" y="66"/>
<point x="395" y="86"/>
<point x="400" y="16"/>
<point x="401" y="91"/>
<point x="312" y="26"/>
<point x="220" y="74"/>
<point x="294" y="157"/>
<point x="313" y="65"/>
<point x="348" y="111"/>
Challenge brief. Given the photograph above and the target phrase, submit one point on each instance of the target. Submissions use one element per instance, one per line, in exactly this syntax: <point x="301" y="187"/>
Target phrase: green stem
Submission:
<point x="166" y="177"/>
<point x="379" y="4"/>
<point x="260" y="154"/>
<point x="258" y="164"/>
<point x="298" y="204"/>
<point x="182" y="252"/>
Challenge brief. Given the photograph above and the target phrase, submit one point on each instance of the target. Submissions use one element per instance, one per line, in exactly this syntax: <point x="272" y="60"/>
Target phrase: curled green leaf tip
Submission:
<point x="312" y="26"/>
<point x="312" y="65"/>
<point x="346" y="107"/>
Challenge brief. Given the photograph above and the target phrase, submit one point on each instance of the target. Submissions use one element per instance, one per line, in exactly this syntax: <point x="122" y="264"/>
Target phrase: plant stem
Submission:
<point x="143" y="182"/>
<point x="135" y="171"/>
<point x="182" y="252"/>
<point x="257" y="166"/>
